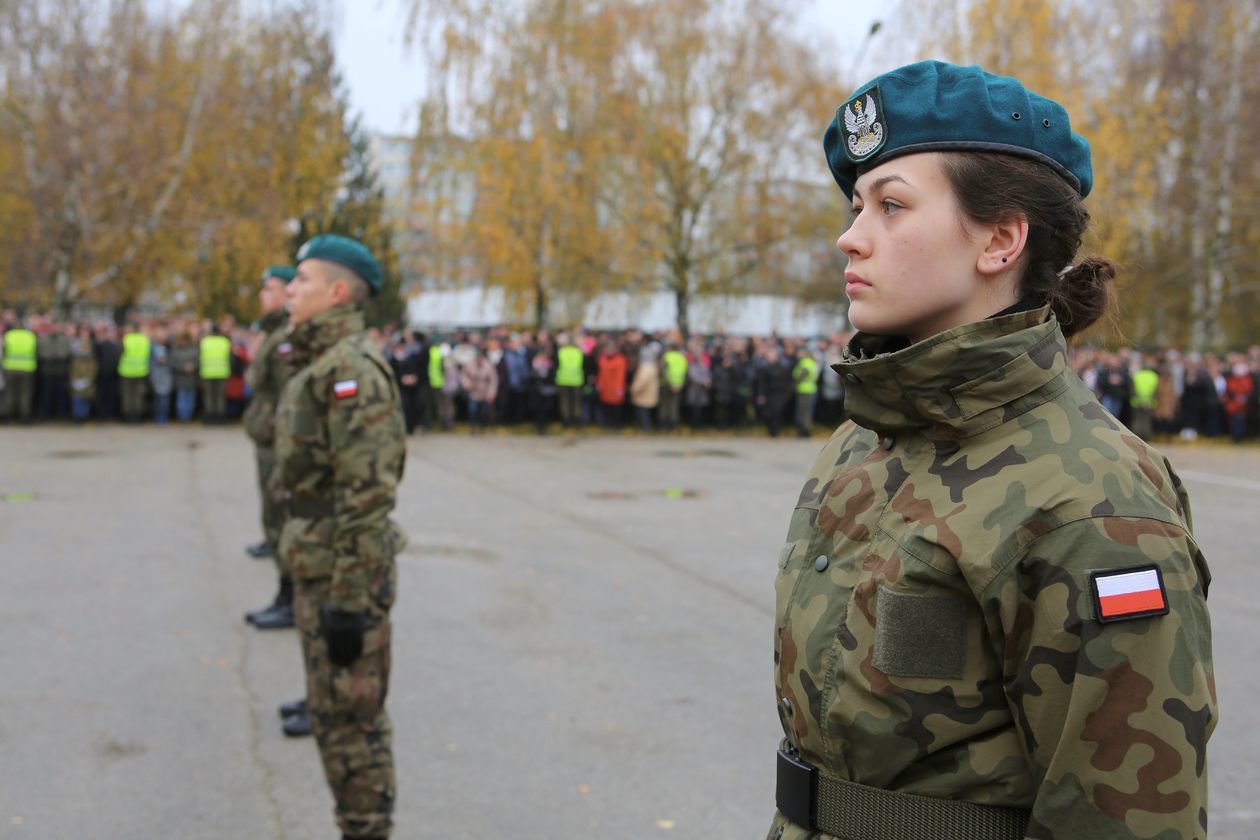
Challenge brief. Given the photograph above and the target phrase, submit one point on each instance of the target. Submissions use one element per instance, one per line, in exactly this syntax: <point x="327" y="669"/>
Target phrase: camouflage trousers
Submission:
<point x="272" y="508"/>
<point x="347" y="711"/>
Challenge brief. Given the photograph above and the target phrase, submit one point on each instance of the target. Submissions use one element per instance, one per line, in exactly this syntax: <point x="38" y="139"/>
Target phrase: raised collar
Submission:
<point x="313" y="338"/>
<point x="957" y="383"/>
<point x="272" y="321"/>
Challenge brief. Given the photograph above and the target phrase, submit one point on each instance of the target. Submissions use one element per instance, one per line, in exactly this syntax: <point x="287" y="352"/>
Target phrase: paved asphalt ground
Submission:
<point x="582" y="644"/>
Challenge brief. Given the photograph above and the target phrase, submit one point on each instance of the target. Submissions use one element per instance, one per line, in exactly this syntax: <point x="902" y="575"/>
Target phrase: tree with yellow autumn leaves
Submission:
<point x="611" y="145"/>
<point x="590" y="145"/>
<point x="1167" y="94"/>
<point x="171" y="155"/>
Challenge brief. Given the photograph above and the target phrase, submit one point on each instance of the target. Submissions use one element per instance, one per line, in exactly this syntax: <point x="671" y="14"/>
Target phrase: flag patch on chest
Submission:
<point x="1129" y="593"/>
<point x="346" y="388"/>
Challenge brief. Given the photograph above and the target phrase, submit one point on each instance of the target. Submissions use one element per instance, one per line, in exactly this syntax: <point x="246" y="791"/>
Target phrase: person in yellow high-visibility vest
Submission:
<point x="570" y="377"/>
<point x="19" y="374"/>
<point x="1142" y="403"/>
<point x="133" y="370"/>
<point x="439" y="409"/>
<point x="216" y="367"/>
<point x="674" y="373"/>
<point x="805" y="377"/>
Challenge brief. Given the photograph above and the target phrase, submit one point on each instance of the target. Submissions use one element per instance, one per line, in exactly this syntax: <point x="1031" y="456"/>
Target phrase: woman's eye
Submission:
<point x="889" y="206"/>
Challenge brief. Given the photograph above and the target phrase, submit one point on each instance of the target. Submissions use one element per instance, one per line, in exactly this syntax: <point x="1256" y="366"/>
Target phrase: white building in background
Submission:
<point x="438" y="310"/>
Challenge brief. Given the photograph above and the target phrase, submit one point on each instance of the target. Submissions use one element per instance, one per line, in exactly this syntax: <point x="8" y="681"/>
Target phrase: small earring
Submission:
<point x="1003" y="259"/>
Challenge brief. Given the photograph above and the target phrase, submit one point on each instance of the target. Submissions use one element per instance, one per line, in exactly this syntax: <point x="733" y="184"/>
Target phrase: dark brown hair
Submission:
<point x="993" y="188"/>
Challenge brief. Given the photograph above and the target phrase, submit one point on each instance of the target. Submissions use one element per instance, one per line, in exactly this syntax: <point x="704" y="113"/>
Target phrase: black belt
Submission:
<point x="821" y="802"/>
<point x="309" y="507"/>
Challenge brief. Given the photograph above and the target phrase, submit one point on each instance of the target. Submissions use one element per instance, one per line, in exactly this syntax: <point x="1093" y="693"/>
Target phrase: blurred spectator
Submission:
<point x="645" y="388"/>
<point x="480" y="381"/>
<point x="1239" y="388"/>
<point x="54" y="371"/>
<point x="161" y="377"/>
<point x="108" y="355"/>
<point x="82" y="375"/>
<point x="184" y="365"/>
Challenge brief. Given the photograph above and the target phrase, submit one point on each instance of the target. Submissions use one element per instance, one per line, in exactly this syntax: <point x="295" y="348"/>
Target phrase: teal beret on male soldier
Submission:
<point x="280" y="272"/>
<point x="343" y="250"/>
<point x="932" y="106"/>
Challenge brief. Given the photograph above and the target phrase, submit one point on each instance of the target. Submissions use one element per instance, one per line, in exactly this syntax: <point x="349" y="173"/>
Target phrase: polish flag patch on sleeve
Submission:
<point x="346" y="388"/>
<point x="1121" y="594"/>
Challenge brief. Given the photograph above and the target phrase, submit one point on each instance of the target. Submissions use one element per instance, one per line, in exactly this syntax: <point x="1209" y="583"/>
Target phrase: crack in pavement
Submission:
<point x="255" y="725"/>
<point x="599" y="530"/>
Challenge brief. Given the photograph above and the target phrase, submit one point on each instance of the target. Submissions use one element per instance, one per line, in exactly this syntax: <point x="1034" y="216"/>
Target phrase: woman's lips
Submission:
<point x="854" y="282"/>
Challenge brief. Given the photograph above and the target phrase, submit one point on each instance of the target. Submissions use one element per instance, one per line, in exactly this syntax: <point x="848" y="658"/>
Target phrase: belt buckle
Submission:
<point x="795" y="790"/>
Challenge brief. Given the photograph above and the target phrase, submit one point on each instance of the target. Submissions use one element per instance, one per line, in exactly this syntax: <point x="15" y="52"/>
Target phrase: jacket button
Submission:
<point x="787" y="706"/>
<point x="888" y="442"/>
<point x="821" y="563"/>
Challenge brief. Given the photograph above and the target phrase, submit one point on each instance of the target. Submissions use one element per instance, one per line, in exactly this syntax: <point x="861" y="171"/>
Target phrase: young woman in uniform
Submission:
<point x="991" y="612"/>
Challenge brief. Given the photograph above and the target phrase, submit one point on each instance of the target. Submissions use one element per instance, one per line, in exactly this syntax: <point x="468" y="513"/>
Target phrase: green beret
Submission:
<point x="280" y="272"/>
<point x="343" y="250"/>
<point x="932" y="106"/>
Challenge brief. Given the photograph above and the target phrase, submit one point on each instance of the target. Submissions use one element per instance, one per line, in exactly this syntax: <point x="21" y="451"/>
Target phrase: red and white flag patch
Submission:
<point x="346" y="388"/>
<point x="1122" y="594"/>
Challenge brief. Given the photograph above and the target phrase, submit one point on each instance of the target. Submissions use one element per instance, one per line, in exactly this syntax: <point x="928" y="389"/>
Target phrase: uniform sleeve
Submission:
<point x="367" y="445"/>
<point x="1115" y="716"/>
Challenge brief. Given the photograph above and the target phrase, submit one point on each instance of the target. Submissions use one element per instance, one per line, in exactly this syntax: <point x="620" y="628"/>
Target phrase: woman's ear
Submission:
<point x="1004" y="248"/>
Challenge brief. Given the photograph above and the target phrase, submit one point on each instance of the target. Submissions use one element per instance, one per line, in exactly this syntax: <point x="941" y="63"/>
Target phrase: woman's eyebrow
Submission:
<point x="881" y="182"/>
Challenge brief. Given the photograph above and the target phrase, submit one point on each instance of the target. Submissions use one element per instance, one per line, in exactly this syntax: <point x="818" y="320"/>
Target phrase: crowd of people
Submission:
<point x="185" y="369"/>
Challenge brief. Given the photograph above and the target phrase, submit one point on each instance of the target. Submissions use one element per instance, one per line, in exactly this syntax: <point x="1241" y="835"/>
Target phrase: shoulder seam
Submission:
<point x="1022" y="548"/>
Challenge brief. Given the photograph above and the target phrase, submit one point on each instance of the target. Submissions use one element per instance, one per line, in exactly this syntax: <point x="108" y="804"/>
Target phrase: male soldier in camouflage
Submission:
<point x="991" y="612"/>
<point x="268" y="372"/>
<point x="340" y="447"/>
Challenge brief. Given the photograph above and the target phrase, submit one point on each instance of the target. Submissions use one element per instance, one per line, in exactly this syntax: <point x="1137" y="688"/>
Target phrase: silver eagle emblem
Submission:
<point x="861" y="124"/>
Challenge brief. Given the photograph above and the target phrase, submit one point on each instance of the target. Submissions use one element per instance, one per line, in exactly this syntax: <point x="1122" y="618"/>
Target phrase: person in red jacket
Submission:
<point x="1238" y="389"/>
<point x="610" y="384"/>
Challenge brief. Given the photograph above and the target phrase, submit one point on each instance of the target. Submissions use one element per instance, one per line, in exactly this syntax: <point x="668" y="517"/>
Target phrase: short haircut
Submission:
<point x="359" y="289"/>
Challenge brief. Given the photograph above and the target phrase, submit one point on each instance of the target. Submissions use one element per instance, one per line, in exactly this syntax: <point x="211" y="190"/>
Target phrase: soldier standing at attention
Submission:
<point x="340" y="447"/>
<point x="991" y="614"/>
<point x="268" y="372"/>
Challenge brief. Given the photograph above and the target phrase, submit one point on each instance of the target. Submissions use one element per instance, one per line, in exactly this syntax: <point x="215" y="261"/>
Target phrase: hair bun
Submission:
<point x="1083" y="293"/>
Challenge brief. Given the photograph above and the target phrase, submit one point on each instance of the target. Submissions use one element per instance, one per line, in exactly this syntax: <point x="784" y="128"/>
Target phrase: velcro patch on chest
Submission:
<point x="346" y="388"/>
<point x="1123" y="594"/>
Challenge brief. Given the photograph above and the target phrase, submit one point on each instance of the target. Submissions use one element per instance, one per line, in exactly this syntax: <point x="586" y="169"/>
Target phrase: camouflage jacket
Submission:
<point x="935" y="629"/>
<point x="268" y="372"/>
<point x="340" y="448"/>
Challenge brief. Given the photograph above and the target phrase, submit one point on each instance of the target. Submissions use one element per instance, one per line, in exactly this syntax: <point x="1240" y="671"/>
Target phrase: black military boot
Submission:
<point x="259" y="550"/>
<point x="297" y="726"/>
<point x="293" y="707"/>
<point x="279" y="614"/>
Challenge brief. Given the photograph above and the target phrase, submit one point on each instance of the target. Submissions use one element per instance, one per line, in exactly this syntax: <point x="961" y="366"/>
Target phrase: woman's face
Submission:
<point x="912" y="262"/>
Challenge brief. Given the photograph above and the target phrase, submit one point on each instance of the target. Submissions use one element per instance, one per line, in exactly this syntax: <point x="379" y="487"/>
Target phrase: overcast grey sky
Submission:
<point x="385" y="84"/>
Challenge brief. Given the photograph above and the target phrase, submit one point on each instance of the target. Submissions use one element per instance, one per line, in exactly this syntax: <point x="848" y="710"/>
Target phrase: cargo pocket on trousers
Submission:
<point x="920" y="635"/>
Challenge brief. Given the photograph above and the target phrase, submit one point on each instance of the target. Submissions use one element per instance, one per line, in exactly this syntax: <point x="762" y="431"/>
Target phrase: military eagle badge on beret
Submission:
<point x="863" y="133"/>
